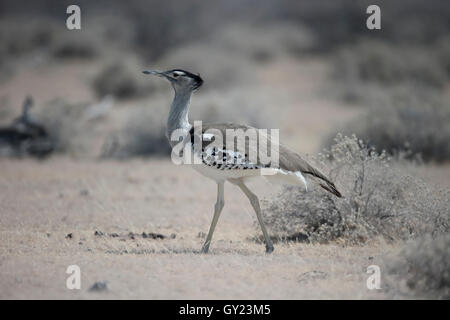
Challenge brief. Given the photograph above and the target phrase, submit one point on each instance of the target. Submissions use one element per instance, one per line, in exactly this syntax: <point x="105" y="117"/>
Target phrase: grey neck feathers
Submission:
<point x="178" y="115"/>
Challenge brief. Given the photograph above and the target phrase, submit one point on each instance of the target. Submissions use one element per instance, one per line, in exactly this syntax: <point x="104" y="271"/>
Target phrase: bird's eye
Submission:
<point x="176" y="74"/>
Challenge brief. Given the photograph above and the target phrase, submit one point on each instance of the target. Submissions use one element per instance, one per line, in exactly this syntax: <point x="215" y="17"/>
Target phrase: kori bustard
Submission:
<point x="224" y="163"/>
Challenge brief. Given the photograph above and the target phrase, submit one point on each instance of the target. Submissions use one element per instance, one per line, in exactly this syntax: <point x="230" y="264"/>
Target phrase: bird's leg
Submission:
<point x="255" y="203"/>
<point x="217" y="209"/>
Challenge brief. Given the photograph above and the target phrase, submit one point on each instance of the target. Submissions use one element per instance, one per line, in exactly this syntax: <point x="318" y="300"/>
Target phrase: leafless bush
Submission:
<point x="422" y="268"/>
<point x="380" y="199"/>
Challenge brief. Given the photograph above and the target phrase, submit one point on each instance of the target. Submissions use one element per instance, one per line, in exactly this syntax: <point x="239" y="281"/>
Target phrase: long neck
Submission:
<point x="178" y="115"/>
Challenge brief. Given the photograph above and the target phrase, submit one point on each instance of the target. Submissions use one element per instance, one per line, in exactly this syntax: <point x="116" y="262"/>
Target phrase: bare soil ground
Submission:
<point x="42" y="203"/>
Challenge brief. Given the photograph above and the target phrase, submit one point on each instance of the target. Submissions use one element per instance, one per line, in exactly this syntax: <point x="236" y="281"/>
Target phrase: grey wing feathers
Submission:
<point x="291" y="161"/>
<point x="288" y="159"/>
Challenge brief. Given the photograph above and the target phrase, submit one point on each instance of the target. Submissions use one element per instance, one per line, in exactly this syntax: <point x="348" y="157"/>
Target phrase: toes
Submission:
<point x="205" y="250"/>
<point x="269" y="249"/>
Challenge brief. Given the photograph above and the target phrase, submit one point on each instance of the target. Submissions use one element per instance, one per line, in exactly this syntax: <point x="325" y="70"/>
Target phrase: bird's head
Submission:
<point x="180" y="79"/>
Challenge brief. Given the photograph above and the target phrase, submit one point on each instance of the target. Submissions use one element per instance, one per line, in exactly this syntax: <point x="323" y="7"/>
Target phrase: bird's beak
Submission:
<point x="158" y="73"/>
<point x="154" y="72"/>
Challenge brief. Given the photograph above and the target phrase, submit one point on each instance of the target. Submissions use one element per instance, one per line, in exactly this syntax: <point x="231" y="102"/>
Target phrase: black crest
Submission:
<point x="196" y="77"/>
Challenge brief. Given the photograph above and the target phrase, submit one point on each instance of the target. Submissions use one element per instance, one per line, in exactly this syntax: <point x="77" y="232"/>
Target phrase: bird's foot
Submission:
<point x="269" y="249"/>
<point x="205" y="248"/>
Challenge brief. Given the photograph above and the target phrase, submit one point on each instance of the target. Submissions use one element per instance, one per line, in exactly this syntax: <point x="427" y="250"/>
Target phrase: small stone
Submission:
<point x="153" y="235"/>
<point x="69" y="236"/>
<point x="201" y="234"/>
<point x="99" y="286"/>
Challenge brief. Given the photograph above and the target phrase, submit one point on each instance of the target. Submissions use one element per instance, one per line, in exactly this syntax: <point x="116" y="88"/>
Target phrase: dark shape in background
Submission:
<point x="25" y="136"/>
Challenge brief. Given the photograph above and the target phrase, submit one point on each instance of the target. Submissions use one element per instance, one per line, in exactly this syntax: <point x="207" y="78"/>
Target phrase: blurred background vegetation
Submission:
<point x="400" y="73"/>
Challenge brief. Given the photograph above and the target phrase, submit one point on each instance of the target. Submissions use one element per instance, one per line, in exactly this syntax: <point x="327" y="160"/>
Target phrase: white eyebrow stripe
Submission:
<point x="208" y="136"/>
<point x="179" y="73"/>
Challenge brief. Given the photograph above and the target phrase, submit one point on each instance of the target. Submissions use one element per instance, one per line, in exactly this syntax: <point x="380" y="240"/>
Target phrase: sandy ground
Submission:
<point x="41" y="203"/>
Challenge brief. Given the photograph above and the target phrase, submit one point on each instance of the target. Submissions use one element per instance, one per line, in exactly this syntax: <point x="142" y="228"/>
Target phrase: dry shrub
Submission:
<point x="47" y="36"/>
<point x="406" y="122"/>
<point x="237" y="52"/>
<point x="422" y="268"/>
<point x="341" y="22"/>
<point x="80" y="44"/>
<point x="386" y="64"/>
<point x="443" y="53"/>
<point x="142" y="135"/>
<point x="122" y="81"/>
<point x="218" y="68"/>
<point x="380" y="199"/>
<point x="333" y="22"/>
<point x="233" y="105"/>
<point x="19" y="37"/>
<point x="63" y="122"/>
<point x="263" y="44"/>
<point x="28" y="35"/>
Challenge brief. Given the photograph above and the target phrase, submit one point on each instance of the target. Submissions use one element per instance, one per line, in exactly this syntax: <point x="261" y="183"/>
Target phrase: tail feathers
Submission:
<point x="329" y="186"/>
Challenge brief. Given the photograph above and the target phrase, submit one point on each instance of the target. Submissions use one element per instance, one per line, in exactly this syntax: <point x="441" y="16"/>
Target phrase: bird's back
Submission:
<point x="221" y="154"/>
